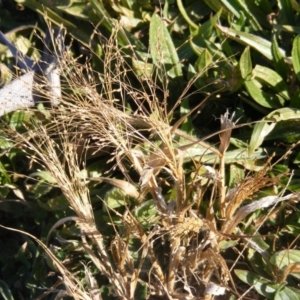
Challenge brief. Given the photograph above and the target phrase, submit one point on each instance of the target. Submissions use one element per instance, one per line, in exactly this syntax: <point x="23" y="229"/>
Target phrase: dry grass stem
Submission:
<point x="104" y="117"/>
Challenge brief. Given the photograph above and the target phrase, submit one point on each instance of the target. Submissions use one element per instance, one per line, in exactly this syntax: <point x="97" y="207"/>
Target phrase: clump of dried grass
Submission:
<point x="183" y="251"/>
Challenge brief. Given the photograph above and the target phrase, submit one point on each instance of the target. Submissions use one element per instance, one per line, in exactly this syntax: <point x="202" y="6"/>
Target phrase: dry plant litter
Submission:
<point x="178" y="253"/>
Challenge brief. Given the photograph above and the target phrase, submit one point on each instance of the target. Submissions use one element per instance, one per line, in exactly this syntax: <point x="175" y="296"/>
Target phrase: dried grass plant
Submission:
<point x="180" y="257"/>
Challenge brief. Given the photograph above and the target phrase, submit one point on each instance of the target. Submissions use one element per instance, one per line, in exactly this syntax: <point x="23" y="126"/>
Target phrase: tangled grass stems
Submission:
<point x="178" y="257"/>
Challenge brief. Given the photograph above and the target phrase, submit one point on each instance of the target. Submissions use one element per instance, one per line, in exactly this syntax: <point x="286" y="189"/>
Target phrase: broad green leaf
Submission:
<point x="242" y="7"/>
<point x="278" y="59"/>
<point x="283" y="114"/>
<point x="4" y="176"/>
<point x="215" y="50"/>
<point x="130" y="23"/>
<point x="267" y="100"/>
<point x="262" y="129"/>
<point x="56" y="19"/>
<point x="261" y="285"/>
<point x="296" y="56"/>
<point x="216" y="6"/>
<point x="141" y="291"/>
<point x="236" y="175"/>
<point x="256" y="260"/>
<point x="44" y="176"/>
<point x="201" y="36"/>
<point x="203" y="62"/>
<point x="162" y="48"/>
<point x="5" y="75"/>
<point x="187" y="125"/>
<point x="78" y="10"/>
<point x="229" y="51"/>
<point x="199" y="83"/>
<point x="261" y="45"/>
<point x="51" y="15"/>
<point x="142" y="69"/>
<point x="205" y="32"/>
<point x="115" y="198"/>
<point x="282" y="259"/>
<point x="295" y="5"/>
<point x="94" y="169"/>
<point x="196" y="49"/>
<point x="238" y="143"/>
<point x="227" y="244"/>
<point x="232" y="6"/>
<point x="271" y="79"/>
<point x="146" y="213"/>
<point x="124" y="37"/>
<point x="287" y="293"/>
<point x="240" y="156"/>
<point x="245" y="64"/>
<point x="286" y="12"/>
<point x="287" y="28"/>
<point x="18" y="118"/>
<point x="287" y="131"/>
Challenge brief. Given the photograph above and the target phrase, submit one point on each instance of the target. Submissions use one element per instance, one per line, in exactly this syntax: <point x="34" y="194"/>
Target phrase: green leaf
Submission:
<point x="278" y="59"/>
<point x="296" y="56"/>
<point x="287" y="293"/>
<point x="283" y="114"/>
<point x="4" y="176"/>
<point x="257" y="261"/>
<point x="146" y="213"/>
<point x="283" y="259"/>
<point x="236" y="175"/>
<point x="78" y="10"/>
<point x="262" y="98"/>
<point x="287" y="28"/>
<point x="41" y="9"/>
<point x="185" y="15"/>
<point x="270" y="78"/>
<point x="203" y="62"/>
<point x="44" y="176"/>
<point x="216" y="5"/>
<point x="295" y="5"/>
<point x="142" y="69"/>
<point x="261" y="285"/>
<point x="286" y="12"/>
<point x="57" y="20"/>
<point x="233" y="7"/>
<point x="115" y="198"/>
<point x="18" y="118"/>
<point x="286" y="131"/>
<point x="262" y="129"/>
<point x="227" y="244"/>
<point x="240" y="156"/>
<point x="162" y="48"/>
<point x="245" y="64"/>
<point x="256" y="42"/>
<point x="243" y="7"/>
